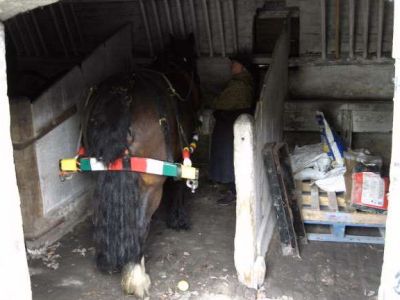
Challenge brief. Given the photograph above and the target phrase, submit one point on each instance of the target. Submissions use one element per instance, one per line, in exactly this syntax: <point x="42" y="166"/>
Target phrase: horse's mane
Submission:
<point x="109" y="120"/>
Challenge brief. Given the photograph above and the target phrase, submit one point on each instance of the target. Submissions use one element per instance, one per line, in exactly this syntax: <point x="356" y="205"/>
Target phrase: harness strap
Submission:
<point x="173" y="93"/>
<point x="162" y="108"/>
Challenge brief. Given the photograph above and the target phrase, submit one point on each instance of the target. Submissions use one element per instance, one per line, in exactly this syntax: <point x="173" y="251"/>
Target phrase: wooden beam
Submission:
<point x="180" y="17"/>
<point x="194" y="25"/>
<point x="157" y="21"/>
<point x="337" y="29"/>
<point x="333" y="203"/>
<point x="58" y="30"/>
<point x="314" y="198"/>
<point x="208" y="28"/>
<point x="323" y="29"/>
<point x="146" y="27"/>
<point x="47" y="128"/>
<point x="233" y="24"/>
<point x="351" y="27"/>
<point x="347" y="127"/>
<point x="365" y="28"/>
<point x="168" y="15"/>
<point x="323" y="200"/>
<point x="21" y="37"/>
<point x="381" y="8"/>
<point x="254" y="226"/>
<point x="282" y="208"/>
<point x="38" y="32"/>
<point x="343" y="217"/>
<point x="221" y="28"/>
<point x="76" y="23"/>
<point x="32" y="39"/>
<point x="10" y="33"/>
<point x="69" y="32"/>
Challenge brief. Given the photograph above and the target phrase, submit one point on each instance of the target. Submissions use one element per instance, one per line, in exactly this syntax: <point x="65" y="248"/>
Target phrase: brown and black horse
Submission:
<point x="150" y="113"/>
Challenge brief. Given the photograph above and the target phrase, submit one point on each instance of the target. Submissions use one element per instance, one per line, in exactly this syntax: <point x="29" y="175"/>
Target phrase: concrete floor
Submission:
<point x="203" y="257"/>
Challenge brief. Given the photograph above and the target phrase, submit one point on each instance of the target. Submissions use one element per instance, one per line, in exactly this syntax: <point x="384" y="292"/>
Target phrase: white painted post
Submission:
<point x="390" y="279"/>
<point x="14" y="274"/>
<point x="249" y="264"/>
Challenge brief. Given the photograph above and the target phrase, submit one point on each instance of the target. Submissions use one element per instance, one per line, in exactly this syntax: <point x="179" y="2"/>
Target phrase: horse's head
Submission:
<point x="181" y="52"/>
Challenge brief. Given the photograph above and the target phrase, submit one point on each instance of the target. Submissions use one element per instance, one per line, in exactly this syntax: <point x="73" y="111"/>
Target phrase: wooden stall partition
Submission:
<point x="255" y="217"/>
<point x="111" y="57"/>
<point x="48" y="129"/>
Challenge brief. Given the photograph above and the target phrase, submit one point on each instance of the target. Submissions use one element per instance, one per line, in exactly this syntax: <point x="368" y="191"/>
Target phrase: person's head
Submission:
<point x="237" y="67"/>
<point x="240" y="62"/>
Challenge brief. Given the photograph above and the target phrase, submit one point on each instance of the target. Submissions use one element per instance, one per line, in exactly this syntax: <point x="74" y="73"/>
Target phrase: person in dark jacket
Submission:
<point x="235" y="99"/>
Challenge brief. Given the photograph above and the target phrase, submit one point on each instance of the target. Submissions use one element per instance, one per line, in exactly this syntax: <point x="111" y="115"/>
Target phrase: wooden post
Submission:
<point x="146" y="27"/>
<point x="250" y="265"/>
<point x="221" y="28"/>
<point x="351" y="27"/>
<point x="323" y="29"/>
<point x="208" y="28"/>
<point x="381" y="8"/>
<point x="365" y="28"/>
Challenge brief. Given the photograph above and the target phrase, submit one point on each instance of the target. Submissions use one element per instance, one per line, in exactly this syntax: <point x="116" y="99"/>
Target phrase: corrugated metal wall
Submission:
<point x="73" y="28"/>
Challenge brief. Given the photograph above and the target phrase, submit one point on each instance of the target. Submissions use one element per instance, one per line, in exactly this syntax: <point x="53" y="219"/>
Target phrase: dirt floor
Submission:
<point x="203" y="256"/>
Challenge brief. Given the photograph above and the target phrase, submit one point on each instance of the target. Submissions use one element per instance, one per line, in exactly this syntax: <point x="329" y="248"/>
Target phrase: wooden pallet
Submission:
<point x="329" y="212"/>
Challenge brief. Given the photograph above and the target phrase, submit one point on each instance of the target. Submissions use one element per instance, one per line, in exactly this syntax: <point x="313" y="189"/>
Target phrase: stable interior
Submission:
<point x="57" y="52"/>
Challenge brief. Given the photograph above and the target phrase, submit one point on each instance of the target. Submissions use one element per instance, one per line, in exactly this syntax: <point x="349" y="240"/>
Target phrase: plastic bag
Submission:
<point x="333" y="180"/>
<point x="309" y="162"/>
<point x="355" y="158"/>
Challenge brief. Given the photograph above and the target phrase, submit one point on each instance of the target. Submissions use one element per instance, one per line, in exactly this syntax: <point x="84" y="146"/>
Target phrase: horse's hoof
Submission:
<point x="135" y="281"/>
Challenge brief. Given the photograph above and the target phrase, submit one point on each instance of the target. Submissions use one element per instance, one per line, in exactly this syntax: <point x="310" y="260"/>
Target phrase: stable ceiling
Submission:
<point x="10" y="8"/>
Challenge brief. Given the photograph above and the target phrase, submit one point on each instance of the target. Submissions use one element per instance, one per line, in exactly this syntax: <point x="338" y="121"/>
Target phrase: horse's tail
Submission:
<point x="119" y="219"/>
<point x="120" y="226"/>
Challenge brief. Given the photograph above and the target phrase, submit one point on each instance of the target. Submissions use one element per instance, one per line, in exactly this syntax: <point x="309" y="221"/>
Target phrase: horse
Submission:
<point x="149" y="113"/>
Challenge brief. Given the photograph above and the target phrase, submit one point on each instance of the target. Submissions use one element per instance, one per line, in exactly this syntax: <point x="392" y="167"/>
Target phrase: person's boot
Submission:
<point x="228" y="199"/>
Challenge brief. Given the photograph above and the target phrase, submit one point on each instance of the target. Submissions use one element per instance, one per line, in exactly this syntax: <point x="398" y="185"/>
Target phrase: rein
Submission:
<point x="171" y="87"/>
